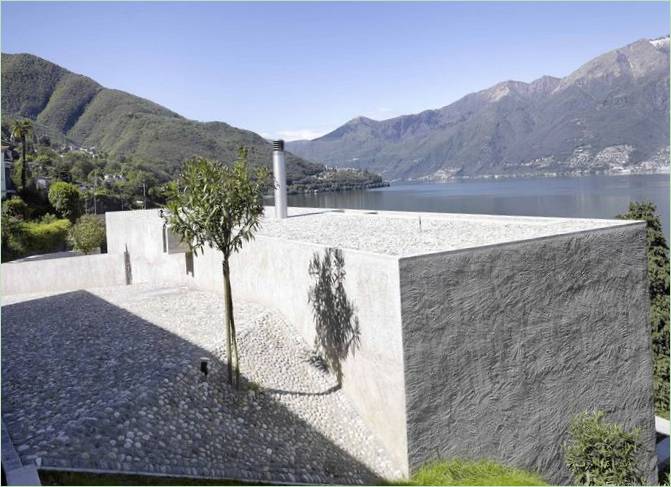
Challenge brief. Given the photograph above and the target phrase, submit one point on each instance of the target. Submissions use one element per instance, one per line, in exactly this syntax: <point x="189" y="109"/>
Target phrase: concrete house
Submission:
<point x="481" y="336"/>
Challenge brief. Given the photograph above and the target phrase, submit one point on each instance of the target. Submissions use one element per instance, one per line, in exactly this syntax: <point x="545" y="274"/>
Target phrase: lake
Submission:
<point x="584" y="196"/>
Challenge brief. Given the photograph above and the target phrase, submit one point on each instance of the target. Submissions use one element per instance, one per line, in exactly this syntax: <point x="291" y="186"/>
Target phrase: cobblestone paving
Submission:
<point x="109" y="379"/>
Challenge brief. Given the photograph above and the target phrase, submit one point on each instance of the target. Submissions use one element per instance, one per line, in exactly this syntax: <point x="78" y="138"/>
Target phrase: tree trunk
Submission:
<point x="23" y="164"/>
<point x="231" y="341"/>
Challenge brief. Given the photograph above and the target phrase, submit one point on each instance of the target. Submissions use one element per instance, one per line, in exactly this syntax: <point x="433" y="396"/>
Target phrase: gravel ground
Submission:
<point x="108" y="379"/>
<point x="395" y="234"/>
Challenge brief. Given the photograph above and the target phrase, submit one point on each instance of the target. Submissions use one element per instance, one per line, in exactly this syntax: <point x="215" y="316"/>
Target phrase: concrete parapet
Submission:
<point x="63" y="274"/>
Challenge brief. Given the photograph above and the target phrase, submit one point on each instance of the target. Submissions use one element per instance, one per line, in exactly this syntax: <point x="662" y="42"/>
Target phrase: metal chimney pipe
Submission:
<point x="280" y="176"/>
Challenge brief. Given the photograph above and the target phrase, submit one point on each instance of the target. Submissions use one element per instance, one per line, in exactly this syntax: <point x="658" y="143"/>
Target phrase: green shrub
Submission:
<point x="65" y="198"/>
<point x="48" y="218"/>
<point x="15" y="207"/>
<point x="601" y="453"/>
<point x="21" y="239"/>
<point x="471" y="472"/>
<point x="13" y="246"/>
<point x="41" y="238"/>
<point x="87" y="234"/>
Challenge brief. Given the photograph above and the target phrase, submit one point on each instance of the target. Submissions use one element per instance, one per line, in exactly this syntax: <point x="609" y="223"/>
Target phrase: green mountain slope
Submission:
<point x="121" y="124"/>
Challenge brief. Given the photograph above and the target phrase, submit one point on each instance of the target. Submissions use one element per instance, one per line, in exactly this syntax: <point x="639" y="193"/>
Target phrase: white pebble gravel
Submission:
<point x="402" y="234"/>
<point x="109" y="379"/>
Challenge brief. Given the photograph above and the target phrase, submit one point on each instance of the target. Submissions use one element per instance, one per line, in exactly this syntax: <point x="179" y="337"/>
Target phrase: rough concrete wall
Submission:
<point x="274" y="272"/>
<point x="64" y="274"/>
<point x="141" y="232"/>
<point x="504" y="345"/>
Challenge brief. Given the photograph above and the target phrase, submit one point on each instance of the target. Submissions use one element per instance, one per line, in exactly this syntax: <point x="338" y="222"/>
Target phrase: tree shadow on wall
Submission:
<point x="336" y="323"/>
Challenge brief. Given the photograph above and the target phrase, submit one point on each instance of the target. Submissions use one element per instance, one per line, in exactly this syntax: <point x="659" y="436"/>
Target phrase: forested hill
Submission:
<point x="72" y="108"/>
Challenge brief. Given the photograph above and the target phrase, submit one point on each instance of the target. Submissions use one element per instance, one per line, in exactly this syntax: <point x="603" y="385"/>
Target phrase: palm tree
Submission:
<point x="21" y="130"/>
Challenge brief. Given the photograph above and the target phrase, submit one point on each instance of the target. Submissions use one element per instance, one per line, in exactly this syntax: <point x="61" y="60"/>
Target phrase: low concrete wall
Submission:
<point x="504" y="345"/>
<point x="140" y="233"/>
<point x="65" y="274"/>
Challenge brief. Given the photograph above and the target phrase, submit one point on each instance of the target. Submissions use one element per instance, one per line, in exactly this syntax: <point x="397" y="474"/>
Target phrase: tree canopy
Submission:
<point x="65" y="198"/>
<point x="215" y="204"/>
<point x="87" y="234"/>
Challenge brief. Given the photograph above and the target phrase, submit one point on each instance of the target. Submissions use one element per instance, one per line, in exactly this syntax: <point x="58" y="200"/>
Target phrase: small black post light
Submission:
<point x="204" y="361"/>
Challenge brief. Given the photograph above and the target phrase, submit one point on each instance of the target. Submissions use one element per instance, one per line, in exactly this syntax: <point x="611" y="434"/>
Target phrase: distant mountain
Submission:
<point x="76" y="108"/>
<point x="611" y="114"/>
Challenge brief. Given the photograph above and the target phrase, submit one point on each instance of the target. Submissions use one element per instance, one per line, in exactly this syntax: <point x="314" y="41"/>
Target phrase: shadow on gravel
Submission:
<point x="87" y="384"/>
<point x="282" y="392"/>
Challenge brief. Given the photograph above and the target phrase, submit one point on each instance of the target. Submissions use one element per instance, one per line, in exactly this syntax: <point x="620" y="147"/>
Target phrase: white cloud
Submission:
<point x="299" y="134"/>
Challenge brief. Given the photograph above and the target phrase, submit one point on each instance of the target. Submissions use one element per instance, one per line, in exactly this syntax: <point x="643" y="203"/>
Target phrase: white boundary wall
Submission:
<point x="64" y="274"/>
<point x="141" y="234"/>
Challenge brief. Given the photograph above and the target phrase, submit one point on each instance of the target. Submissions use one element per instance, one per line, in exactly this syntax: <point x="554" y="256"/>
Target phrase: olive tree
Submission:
<point x="220" y="206"/>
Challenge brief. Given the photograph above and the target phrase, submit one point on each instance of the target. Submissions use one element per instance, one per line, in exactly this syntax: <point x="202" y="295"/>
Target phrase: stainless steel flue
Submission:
<point x="280" y="177"/>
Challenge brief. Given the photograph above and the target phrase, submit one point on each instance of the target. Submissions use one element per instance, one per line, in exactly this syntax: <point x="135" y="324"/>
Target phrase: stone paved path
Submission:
<point x="109" y="379"/>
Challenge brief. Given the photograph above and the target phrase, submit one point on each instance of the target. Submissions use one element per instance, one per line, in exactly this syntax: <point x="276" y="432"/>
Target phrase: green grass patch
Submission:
<point x="471" y="472"/>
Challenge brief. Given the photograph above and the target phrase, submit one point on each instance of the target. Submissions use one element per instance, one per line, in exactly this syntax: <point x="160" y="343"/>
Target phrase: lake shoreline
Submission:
<point x="593" y="196"/>
<point x="497" y="177"/>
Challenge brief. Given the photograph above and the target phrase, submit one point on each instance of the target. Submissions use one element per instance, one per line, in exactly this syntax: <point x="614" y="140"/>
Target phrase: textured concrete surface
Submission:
<point x="502" y="346"/>
<point x="62" y="274"/>
<point x="110" y="380"/>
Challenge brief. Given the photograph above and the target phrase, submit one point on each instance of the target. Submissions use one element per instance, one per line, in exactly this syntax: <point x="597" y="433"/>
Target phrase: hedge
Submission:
<point x="21" y="239"/>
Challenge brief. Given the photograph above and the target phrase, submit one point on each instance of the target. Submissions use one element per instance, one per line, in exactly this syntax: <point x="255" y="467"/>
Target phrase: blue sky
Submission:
<point x="297" y="70"/>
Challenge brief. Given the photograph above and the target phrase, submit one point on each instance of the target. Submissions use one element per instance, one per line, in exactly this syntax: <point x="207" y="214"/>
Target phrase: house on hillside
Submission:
<point x="110" y="178"/>
<point x="8" y="188"/>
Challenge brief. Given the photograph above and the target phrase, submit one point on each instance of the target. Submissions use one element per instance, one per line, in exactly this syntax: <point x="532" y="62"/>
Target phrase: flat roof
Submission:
<point x="400" y="233"/>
